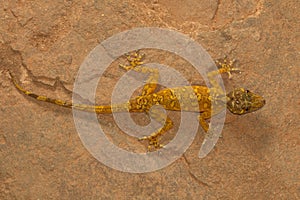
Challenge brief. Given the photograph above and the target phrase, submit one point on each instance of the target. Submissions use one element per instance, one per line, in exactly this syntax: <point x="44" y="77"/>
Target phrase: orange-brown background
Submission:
<point x="41" y="155"/>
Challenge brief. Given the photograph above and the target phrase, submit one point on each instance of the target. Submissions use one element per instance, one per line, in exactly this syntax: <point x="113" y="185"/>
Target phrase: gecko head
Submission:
<point x="241" y="101"/>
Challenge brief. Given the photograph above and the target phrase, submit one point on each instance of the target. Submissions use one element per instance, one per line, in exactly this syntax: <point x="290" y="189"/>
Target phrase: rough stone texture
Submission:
<point x="44" y="43"/>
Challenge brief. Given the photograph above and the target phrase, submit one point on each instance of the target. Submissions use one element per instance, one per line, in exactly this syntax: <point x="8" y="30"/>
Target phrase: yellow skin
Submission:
<point x="239" y="101"/>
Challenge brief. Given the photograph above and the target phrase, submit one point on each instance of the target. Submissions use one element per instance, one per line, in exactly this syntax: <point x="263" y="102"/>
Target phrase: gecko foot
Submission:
<point x="134" y="59"/>
<point x="154" y="142"/>
<point x="226" y="66"/>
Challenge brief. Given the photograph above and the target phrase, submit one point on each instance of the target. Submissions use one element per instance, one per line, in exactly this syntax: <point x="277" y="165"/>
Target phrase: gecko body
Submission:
<point x="187" y="98"/>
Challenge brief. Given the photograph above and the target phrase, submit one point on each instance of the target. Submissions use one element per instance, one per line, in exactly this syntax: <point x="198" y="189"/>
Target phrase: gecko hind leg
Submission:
<point x="202" y="120"/>
<point x="134" y="59"/>
<point x="135" y="63"/>
<point x="154" y="138"/>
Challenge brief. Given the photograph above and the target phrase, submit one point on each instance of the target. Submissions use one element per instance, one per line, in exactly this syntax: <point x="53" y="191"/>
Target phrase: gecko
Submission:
<point x="239" y="101"/>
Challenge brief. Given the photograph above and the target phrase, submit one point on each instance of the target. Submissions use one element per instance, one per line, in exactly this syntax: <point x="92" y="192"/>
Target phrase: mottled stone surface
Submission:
<point x="44" y="42"/>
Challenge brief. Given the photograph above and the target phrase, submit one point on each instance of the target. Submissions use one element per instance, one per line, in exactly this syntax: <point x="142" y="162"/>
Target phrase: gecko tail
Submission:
<point x="101" y="109"/>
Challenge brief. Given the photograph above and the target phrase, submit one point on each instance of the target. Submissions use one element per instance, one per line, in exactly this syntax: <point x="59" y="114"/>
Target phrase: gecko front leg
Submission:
<point x="216" y="92"/>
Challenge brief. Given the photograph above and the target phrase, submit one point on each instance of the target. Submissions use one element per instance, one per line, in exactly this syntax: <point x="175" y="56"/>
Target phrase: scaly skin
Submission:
<point x="239" y="101"/>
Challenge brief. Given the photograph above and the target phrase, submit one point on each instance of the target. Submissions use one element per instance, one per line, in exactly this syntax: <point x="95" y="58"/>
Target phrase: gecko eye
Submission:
<point x="247" y="91"/>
